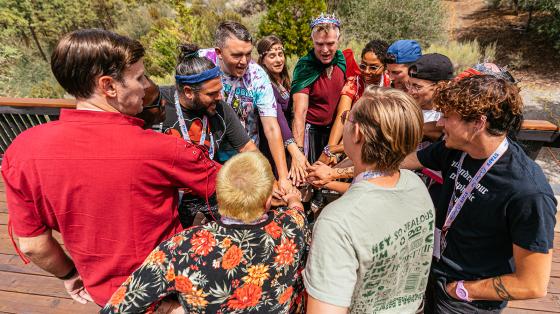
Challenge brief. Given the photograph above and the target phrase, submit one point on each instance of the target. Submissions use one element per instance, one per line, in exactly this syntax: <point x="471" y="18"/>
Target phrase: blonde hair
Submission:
<point x="243" y="186"/>
<point x="391" y="124"/>
<point x="325" y="28"/>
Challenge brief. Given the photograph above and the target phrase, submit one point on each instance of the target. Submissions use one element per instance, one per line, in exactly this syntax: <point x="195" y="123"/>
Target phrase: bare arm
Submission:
<point x="315" y="306"/>
<point x="530" y="279"/>
<point x="276" y="145"/>
<point x="301" y="103"/>
<point x="340" y="187"/>
<point x="249" y="147"/>
<point x="344" y="104"/>
<point x="45" y="252"/>
<point x="411" y="162"/>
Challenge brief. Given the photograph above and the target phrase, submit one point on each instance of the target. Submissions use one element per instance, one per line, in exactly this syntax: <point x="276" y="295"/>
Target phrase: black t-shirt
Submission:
<point x="513" y="203"/>
<point x="229" y="134"/>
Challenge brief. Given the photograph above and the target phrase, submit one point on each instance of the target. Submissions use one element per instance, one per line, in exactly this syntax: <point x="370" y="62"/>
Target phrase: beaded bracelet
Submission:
<point x="327" y="151"/>
<point x="288" y="142"/>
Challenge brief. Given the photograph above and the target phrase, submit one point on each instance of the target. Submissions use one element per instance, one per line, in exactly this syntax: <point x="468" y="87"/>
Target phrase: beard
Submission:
<point x="200" y="108"/>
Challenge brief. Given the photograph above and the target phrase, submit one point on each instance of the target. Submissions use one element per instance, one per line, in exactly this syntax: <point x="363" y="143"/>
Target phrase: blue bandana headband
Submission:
<point x="198" y="78"/>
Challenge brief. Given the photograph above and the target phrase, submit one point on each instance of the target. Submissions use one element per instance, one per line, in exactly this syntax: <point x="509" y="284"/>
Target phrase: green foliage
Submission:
<point x="549" y="25"/>
<point x="161" y="44"/>
<point x="464" y="54"/>
<point x="195" y="23"/>
<point x="388" y="20"/>
<point x="290" y="20"/>
<point x="32" y="28"/>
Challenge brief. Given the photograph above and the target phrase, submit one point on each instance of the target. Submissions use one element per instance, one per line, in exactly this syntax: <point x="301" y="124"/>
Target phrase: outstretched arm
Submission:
<point x="301" y="103"/>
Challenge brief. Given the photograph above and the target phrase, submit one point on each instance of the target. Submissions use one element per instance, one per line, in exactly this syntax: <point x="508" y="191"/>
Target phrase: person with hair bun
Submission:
<point x="496" y="211"/>
<point x="198" y="114"/>
<point x="248" y="261"/>
<point x="372" y="247"/>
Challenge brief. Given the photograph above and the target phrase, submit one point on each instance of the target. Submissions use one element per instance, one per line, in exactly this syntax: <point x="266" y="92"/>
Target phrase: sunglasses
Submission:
<point x="155" y="104"/>
<point x="345" y="117"/>
<point x="364" y="67"/>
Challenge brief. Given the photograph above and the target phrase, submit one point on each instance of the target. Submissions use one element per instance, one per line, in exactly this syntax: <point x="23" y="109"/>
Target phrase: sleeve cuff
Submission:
<point x="325" y="297"/>
<point x="268" y="112"/>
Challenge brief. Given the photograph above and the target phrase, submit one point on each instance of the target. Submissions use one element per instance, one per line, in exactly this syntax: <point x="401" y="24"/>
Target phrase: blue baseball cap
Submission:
<point x="405" y="51"/>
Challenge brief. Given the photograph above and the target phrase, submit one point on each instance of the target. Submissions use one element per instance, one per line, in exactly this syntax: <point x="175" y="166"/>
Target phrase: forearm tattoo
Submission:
<point x="500" y="289"/>
<point x="343" y="173"/>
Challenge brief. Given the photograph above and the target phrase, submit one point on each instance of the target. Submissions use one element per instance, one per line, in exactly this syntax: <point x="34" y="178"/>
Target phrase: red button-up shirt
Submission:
<point x="107" y="185"/>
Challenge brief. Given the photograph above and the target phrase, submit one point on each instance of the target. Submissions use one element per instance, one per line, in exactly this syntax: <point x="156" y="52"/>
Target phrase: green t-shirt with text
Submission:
<point x="372" y="248"/>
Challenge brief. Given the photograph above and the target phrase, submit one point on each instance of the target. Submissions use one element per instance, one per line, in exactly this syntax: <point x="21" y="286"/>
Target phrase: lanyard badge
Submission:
<point x="456" y="204"/>
<point x="185" y="131"/>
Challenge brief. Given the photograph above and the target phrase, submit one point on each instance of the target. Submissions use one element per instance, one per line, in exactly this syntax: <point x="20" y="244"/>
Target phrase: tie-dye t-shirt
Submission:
<point x="252" y="93"/>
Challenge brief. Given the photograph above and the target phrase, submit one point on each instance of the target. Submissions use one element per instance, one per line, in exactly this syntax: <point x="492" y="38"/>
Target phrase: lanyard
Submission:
<point x="455" y="205"/>
<point x="232" y="92"/>
<point x="368" y="174"/>
<point x="185" y="131"/>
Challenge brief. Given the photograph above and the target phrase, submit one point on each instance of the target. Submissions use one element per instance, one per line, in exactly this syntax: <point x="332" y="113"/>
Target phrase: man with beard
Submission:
<point x="199" y="101"/>
<point x="197" y="113"/>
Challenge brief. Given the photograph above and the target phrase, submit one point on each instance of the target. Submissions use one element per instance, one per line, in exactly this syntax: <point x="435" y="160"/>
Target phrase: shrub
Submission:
<point x="388" y="20"/>
<point x="290" y="20"/>
<point x="464" y="54"/>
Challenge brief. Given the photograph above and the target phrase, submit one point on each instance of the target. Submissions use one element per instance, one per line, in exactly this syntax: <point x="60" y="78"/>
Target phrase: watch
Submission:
<point x="462" y="292"/>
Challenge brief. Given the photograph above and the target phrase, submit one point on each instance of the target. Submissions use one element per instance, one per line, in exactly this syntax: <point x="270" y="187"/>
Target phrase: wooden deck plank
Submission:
<point x="13" y="263"/>
<point x="13" y="302"/>
<point x="32" y="284"/>
<point x="549" y="303"/>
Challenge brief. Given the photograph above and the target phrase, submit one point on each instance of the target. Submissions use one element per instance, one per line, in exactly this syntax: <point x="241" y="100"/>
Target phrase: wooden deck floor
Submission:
<point x="28" y="289"/>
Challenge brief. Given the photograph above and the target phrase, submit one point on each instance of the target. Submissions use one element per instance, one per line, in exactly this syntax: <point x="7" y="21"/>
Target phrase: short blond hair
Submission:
<point x="391" y="123"/>
<point x="325" y="28"/>
<point x="243" y="186"/>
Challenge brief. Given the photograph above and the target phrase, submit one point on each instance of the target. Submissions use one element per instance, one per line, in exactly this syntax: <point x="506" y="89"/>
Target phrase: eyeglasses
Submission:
<point x="155" y="104"/>
<point x="414" y="88"/>
<point x="364" y="67"/>
<point x="345" y="117"/>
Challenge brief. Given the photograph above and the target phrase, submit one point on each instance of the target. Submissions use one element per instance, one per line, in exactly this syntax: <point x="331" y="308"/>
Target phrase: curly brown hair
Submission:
<point x="483" y="95"/>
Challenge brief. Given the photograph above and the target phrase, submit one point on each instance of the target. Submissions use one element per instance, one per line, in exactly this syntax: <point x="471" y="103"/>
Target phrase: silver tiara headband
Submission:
<point x="325" y="19"/>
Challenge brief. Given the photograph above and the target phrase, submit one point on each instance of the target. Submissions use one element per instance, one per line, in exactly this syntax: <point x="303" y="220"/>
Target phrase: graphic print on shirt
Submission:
<point x="242" y="104"/>
<point x="399" y="270"/>
<point x="465" y="177"/>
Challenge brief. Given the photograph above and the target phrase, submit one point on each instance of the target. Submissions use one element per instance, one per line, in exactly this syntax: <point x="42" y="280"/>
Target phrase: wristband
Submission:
<point x="327" y="151"/>
<point x="288" y="142"/>
<point x="70" y="274"/>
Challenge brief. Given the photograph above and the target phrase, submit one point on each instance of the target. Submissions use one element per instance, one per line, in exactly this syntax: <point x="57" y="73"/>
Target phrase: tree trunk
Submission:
<point x="32" y="30"/>
<point x="527" y="27"/>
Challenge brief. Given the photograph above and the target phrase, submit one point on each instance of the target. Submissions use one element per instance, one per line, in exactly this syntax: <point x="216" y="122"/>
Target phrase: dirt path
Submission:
<point x="531" y="59"/>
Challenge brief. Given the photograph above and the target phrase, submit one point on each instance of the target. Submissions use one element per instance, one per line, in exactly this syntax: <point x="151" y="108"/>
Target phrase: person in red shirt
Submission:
<point x="107" y="185"/>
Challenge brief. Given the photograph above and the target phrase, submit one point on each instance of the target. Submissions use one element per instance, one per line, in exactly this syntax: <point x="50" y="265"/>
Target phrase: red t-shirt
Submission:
<point x="324" y="94"/>
<point x="107" y="185"/>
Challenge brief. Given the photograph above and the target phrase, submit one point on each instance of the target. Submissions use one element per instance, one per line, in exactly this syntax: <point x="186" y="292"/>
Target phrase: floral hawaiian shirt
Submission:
<point x="219" y="268"/>
<point x="252" y="94"/>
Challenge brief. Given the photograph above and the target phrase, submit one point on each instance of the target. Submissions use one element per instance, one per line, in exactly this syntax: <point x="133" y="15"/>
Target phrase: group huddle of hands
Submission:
<point x="302" y="175"/>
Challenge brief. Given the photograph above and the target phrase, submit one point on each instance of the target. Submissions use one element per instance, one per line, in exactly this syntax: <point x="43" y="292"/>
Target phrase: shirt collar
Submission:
<point x="100" y="117"/>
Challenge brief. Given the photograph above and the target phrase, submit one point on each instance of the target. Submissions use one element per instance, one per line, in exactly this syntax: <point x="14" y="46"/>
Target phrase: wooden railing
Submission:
<point x="19" y="114"/>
